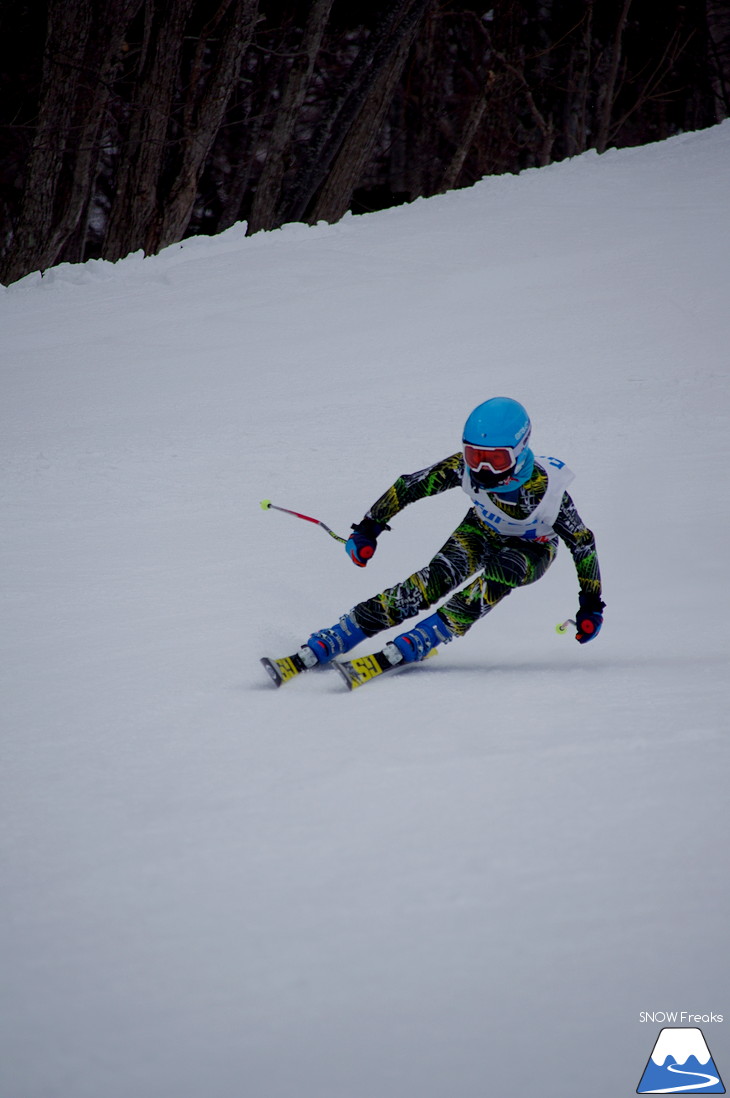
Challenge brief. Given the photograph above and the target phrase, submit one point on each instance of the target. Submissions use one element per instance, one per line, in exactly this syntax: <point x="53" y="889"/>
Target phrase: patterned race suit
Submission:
<point x="498" y="563"/>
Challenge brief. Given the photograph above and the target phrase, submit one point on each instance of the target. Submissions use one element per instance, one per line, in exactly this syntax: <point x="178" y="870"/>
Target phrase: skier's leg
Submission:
<point x="459" y="558"/>
<point x="516" y="564"/>
<point x="468" y="550"/>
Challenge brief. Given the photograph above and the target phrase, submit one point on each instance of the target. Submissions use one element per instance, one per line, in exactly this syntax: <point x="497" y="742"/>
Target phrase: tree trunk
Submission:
<point x="339" y="117"/>
<point x="204" y="117"/>
<point x="609" y="90"/>
<point x="424" y="109"/>
<point x="473" y="122"/>
<point x="134" y="216"/>
<point x="544" y="125"/>
<point x="718" y="29"/>
<point x="334" y="199"/>
<point x="239" y="178"/>
<point x="81" y="55"/>
<point x="576" y="99"/>
<point x="266" y="200"/>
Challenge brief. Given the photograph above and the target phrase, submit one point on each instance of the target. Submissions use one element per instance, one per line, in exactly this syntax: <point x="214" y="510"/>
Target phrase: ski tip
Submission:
<point x="265" y="504"/>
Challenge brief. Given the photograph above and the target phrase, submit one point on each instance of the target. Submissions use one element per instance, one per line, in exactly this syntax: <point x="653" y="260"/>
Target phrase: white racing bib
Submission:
<point x="537" y="525"/>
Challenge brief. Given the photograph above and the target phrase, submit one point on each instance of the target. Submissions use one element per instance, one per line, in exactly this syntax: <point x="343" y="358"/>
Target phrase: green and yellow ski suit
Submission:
<point x="496" y="564"/>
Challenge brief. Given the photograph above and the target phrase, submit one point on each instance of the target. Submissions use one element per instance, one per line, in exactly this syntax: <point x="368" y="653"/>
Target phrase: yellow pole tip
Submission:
<point x="265" y="504"/>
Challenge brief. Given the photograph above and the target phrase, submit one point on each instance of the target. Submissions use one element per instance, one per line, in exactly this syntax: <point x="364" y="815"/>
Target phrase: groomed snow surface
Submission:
<point x="464" y="880"/>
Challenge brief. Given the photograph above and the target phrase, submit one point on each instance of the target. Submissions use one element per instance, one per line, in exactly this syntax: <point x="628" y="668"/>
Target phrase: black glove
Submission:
<point x="589" y="618"/>
<point x="364" y="540"/>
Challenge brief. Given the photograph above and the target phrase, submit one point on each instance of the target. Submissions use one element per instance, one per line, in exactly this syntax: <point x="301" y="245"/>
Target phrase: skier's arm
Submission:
<point x="407" y="489"/>
<point x="569" y="526"/>
<point x="582" y="544"/>
<point x="414" y="486"/>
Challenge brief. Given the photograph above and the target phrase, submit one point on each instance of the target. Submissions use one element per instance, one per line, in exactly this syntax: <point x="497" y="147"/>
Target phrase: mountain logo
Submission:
<point x="680" y="1063"/>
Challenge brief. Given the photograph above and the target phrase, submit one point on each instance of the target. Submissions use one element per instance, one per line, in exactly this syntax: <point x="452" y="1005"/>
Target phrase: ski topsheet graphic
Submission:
<point x="680" y="1063"/>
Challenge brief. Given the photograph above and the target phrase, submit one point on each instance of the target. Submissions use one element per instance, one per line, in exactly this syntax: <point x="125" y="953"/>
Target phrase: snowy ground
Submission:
<point x="465" y="880"/>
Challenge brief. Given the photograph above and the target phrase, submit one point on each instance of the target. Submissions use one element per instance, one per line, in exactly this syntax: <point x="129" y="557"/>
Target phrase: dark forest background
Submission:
<point x="130" y="124"/>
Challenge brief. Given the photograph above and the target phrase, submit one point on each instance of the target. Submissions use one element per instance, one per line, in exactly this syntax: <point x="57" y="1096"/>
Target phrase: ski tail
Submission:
<point x="284" y="670"/>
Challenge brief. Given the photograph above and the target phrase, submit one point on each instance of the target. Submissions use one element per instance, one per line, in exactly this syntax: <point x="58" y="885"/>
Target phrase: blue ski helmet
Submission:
<point x="495" y="445"/>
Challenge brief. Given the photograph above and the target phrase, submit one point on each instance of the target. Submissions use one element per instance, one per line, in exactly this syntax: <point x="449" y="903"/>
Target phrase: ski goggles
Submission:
<point x="498" y="459"/>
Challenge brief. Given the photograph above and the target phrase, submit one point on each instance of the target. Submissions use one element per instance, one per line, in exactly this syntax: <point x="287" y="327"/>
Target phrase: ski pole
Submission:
<point x="563" y="627"/>
<point x="267" y="505"/>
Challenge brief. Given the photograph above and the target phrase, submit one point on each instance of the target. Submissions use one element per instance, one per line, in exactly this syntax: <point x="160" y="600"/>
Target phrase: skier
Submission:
<point x="519" y="508"/>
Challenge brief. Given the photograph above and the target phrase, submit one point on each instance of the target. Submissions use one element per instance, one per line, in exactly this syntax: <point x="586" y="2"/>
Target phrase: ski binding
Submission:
<point x="362" y="669"/>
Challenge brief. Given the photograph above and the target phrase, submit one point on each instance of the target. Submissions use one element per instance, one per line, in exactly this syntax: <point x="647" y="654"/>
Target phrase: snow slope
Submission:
<point x="464" y="880"/>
